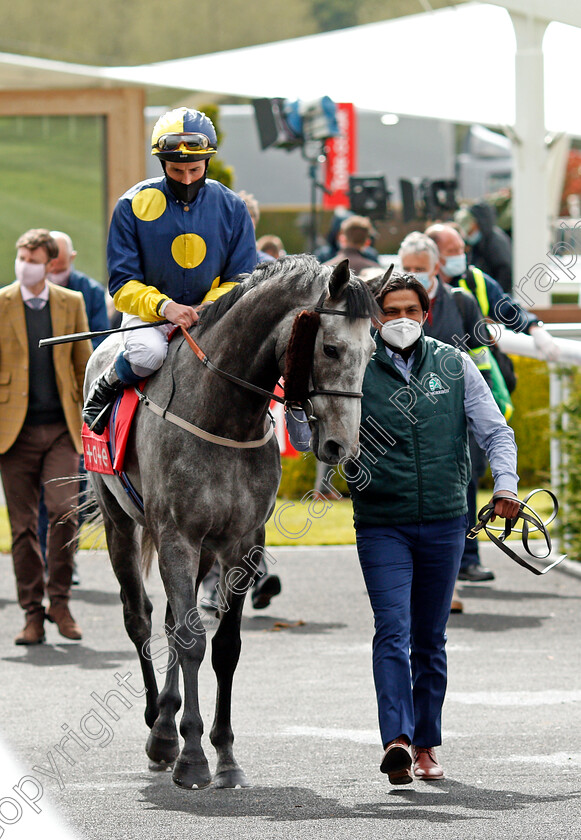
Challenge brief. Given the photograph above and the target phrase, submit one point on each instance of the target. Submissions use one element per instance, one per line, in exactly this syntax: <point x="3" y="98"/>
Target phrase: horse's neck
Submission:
<point x="246" y="336"/>
<point x="242" y="343"/>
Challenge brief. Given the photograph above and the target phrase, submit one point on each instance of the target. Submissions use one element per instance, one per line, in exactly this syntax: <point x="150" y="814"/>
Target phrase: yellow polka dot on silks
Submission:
<point x="148" y="205"/>
<point x="188" y="250"/>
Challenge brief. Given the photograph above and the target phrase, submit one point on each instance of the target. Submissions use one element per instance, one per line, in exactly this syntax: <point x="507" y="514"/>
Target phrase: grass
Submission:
<point x="51" y="176"/>
<point x="296" y="522"/>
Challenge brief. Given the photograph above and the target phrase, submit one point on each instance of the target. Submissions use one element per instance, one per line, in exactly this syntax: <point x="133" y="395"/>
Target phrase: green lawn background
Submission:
<point x="297" y="522"/>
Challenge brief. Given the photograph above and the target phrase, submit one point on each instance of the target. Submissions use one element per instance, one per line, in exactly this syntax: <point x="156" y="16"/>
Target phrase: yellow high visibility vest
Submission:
<point x="480" y="291"/>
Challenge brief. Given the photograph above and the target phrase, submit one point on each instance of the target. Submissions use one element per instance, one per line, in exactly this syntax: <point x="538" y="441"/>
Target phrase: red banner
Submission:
<point x="341" y="160"/>
<point x="280" y="430"/>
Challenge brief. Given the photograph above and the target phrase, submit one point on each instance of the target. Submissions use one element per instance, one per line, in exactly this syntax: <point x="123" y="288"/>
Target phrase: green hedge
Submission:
<point x="530" y="421"/>
<point x="568" y="431"/>
<point x="299" y="477"/>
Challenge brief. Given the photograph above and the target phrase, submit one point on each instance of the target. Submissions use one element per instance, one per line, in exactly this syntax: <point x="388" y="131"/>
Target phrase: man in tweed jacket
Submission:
<point x="40" y="422"/>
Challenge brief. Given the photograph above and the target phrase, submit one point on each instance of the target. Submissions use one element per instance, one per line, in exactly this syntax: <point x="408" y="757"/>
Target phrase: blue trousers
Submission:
<point x="410" y="571"/>
<point x="471" y="556"/>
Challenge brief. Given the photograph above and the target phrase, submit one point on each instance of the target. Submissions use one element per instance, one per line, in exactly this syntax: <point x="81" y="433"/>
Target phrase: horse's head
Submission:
<point x="329" y="351"/>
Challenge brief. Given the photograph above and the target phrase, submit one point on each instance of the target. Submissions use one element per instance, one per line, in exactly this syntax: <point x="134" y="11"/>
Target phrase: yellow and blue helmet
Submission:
<point x="184" y="135"/>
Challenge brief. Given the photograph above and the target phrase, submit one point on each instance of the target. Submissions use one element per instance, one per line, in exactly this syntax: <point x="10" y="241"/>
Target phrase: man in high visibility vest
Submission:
<point x="494" y="303"/>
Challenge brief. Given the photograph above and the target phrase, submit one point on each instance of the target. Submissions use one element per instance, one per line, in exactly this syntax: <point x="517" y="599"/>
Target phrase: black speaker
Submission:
<point x="368" y="195"/>
<point x="428" y="199"/>
<point x="444" y="194"/>
<point x="273" y="129"/>
<point x="408" y="200"/>
<point x="439" y="197"/>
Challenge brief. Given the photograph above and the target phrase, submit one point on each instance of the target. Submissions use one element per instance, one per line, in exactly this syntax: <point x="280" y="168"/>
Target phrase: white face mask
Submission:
<point x="29" y="274"/>
<point x="401" y="332"/>
<point x="59" y="277"/>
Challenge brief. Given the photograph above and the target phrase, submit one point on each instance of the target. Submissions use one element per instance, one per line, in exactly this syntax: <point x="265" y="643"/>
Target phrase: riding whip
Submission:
<point x="529" y="518"/>
<point x="66" y="339"/>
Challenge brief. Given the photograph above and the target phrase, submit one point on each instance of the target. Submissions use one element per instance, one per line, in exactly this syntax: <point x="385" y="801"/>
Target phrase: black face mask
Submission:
<point x="185" y="192"/>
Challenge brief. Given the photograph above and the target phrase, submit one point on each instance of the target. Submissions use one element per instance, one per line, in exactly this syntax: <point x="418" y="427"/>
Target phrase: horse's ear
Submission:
<point x="384" y="282"/>
<point x="339" y="279"/>
<point x="387" y="274"/>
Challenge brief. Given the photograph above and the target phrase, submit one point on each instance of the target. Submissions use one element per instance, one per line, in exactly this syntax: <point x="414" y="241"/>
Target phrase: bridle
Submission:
<point x="290" y="405"/>
<point x="530" y="518"/>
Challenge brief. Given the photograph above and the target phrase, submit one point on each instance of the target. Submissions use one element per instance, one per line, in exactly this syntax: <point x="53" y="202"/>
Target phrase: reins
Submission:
<point x="224" y="374"/>
<point x="528" y="519"/>
<point x="318" y="308"/>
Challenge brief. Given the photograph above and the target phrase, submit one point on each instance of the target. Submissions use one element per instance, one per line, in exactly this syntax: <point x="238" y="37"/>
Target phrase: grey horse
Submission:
<point x="207" y="499"/>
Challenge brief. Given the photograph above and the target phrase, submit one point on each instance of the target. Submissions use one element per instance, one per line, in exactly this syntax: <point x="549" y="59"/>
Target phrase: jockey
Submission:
<point x="175" y="243"/>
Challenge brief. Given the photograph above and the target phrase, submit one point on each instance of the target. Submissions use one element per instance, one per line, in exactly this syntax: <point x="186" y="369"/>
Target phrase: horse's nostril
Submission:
<point x="332" y="451"/>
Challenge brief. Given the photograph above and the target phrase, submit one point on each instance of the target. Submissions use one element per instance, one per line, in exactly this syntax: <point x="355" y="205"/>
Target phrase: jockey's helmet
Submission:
<point x="184" y="135"/>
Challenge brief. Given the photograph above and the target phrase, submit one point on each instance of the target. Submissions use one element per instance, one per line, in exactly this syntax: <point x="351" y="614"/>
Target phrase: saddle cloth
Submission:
<point x="106" y="453"/>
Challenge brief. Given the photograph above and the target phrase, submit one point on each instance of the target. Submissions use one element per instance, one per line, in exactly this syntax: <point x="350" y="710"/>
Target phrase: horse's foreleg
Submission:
<point x="191" y="769"/>
<point x="226" y="646"/>
<point x="163" y="745"/>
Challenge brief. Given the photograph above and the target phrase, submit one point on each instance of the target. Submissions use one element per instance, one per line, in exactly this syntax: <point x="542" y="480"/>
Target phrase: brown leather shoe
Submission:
<point x="456" y="606"/>
<point x="426" y="765"/>
<point x="33" y="632"/>
<point x="396" y="762"/>
<point x="60" y="615"/>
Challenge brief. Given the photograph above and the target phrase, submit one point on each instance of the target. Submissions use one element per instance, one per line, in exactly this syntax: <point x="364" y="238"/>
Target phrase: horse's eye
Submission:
<point x="331" y="351"/>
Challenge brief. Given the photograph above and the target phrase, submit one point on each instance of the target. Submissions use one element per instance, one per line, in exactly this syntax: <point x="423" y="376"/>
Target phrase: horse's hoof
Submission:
<point x="162" y="750"/>
<point x="235" y="778"/>
<point x="160" y="766"/>
<point x="192" y="776"/>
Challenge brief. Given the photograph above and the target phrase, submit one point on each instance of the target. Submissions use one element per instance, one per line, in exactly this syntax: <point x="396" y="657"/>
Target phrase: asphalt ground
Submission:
<point x="304" y="717"/>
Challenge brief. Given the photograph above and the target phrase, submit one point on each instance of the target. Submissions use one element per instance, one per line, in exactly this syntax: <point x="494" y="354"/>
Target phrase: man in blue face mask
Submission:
<point x="494" y="303"/>
<point x="448" y="319"/>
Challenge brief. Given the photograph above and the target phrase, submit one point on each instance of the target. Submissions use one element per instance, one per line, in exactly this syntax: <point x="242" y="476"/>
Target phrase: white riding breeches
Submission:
<point x="145" y="349"/>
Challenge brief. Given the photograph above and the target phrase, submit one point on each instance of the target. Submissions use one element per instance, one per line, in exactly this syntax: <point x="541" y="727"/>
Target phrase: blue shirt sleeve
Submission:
<point x="489" y="427"/>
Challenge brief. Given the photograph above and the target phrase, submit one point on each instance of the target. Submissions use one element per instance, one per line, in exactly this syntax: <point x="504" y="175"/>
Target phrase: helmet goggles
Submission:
<point x="186" y="141"/>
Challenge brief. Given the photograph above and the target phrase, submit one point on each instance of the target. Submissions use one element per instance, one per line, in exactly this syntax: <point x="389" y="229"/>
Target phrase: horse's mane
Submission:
<point x="301" y="272"/>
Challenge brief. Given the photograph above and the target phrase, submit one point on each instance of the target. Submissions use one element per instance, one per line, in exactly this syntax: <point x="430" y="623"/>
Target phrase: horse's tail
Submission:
<point x="147" y="551"/>
<point x="86" y="510"/>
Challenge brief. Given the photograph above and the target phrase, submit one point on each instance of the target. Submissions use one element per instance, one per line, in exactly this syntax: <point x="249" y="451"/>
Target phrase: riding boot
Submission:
<point x="99" y="402"/>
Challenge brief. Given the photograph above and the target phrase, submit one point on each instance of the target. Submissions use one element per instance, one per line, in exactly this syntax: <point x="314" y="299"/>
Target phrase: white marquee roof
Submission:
<point x="394" y="66"/>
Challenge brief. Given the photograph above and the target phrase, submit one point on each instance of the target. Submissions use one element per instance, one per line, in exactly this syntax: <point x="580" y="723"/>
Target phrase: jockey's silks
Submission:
<point x="165" y="248"/>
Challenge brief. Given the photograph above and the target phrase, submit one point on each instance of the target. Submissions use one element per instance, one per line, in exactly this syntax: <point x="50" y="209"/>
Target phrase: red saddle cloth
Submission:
<point x="106" y="453"/>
